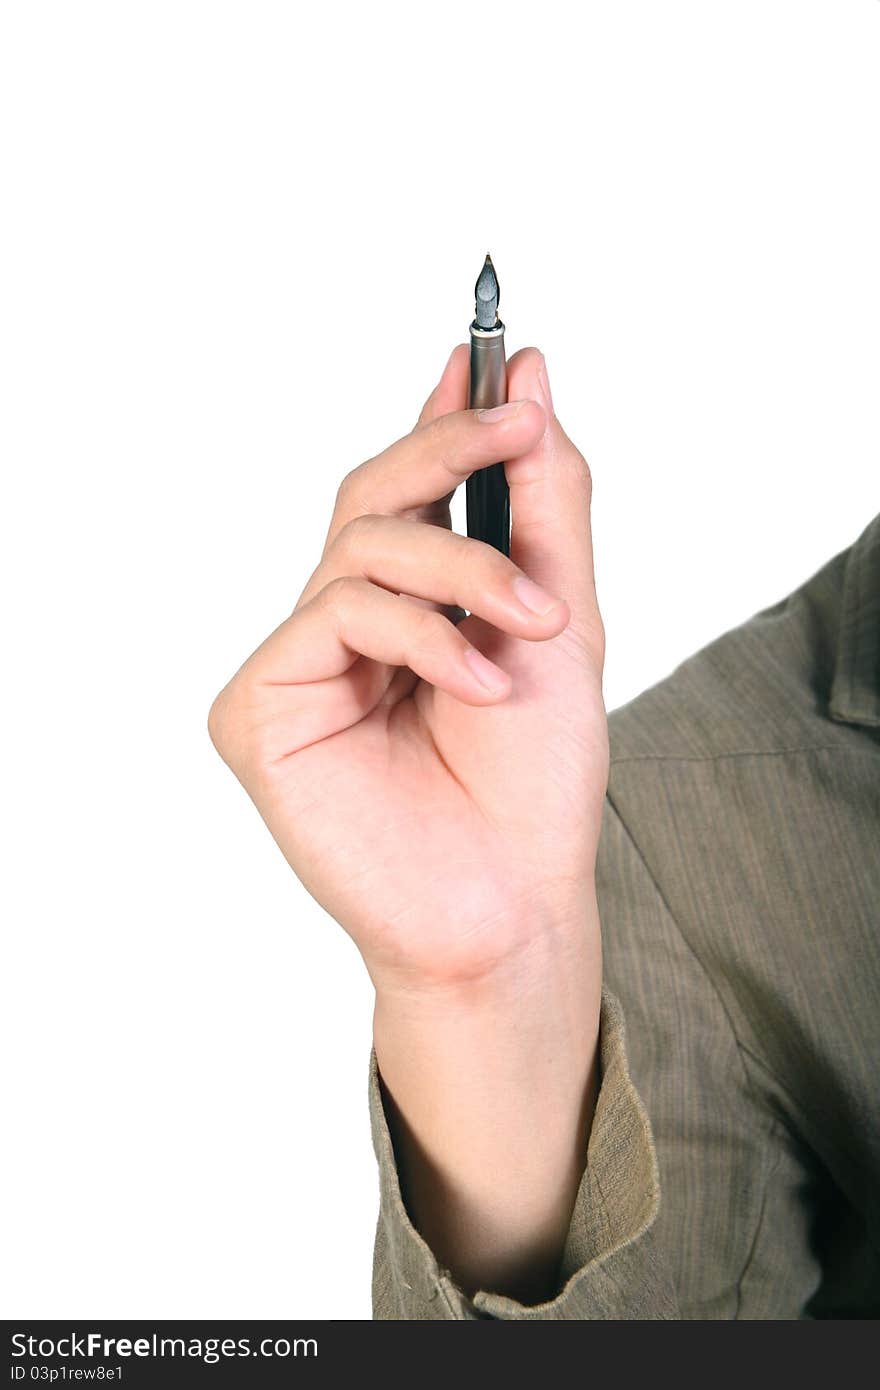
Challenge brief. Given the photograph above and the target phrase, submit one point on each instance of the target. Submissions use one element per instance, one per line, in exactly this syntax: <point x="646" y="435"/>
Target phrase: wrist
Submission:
<point x="532" y="958"/>
<point x="489" y="1087"/>
<point x="530" y="1023"/>
<point x="522" y="1036"/>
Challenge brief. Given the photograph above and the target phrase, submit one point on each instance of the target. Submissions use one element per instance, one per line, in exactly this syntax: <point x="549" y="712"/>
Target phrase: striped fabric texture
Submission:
<point x="733" y="1167"/>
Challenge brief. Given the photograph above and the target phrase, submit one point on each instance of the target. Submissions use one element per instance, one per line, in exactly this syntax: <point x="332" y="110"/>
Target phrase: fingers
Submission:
<point x="451" y="391"/>
<point x="550" y="492"/>
<point x="434" y="459"/>
<point x="351" y="617"/>
<point x="427" y="562"/>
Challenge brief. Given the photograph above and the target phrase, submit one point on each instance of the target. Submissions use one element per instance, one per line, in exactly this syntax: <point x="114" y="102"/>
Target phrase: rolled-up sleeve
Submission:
<point x="608" y="1268"/>
<point x="695" y="1195"/>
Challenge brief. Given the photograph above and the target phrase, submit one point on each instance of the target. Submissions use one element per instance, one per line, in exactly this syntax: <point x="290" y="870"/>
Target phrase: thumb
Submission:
<point x="550" y="491"/>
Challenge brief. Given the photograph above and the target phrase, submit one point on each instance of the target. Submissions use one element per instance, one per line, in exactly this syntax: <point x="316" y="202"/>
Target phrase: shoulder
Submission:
<point x="761" y="687"/>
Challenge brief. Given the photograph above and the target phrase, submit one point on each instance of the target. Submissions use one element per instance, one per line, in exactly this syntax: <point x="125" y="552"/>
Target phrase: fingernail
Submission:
<point x="501" y="412"/>
<point x="490" y="676"/>
<point x="544" y="383"/>
<point x="532" y="596"/>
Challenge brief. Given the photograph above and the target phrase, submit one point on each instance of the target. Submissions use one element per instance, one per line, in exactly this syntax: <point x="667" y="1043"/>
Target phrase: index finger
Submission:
<point x="434" y="459"/>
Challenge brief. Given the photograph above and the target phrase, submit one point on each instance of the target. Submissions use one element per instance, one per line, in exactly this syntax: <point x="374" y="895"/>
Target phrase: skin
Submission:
<point x="450" y="828"/>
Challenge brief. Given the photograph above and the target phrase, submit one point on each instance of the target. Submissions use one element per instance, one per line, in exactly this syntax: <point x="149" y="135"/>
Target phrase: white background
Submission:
<point x="238" y="244"/>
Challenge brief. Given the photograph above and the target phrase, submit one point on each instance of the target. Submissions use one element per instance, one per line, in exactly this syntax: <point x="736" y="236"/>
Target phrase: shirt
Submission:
<point x="733" y="1164"/>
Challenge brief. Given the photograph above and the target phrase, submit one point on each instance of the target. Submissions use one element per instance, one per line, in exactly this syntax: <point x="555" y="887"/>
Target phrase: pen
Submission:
<point x="488" y="498"/>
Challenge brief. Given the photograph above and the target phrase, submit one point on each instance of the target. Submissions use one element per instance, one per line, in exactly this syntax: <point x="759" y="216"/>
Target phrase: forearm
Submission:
<point x="489" y="1088"/>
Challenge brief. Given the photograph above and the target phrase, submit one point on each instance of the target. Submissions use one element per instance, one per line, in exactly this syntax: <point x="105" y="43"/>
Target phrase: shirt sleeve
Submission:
<point x="695" y="1197"/>
<point x="608" y="1268"/>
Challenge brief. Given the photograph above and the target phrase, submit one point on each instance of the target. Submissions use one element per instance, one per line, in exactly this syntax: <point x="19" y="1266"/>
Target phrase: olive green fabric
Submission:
<point x="733" y="1167"/>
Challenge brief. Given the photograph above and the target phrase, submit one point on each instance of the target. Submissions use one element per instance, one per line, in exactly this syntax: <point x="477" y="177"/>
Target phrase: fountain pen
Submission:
<point x="488" y="498"/>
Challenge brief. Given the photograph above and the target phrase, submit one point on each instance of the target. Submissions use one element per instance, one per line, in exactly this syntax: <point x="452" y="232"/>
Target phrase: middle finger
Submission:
<point x="429" y="562"/>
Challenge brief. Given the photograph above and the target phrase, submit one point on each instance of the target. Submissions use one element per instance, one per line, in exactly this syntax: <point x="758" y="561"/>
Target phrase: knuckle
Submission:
<point x="468" y="552"/>
<point x="338" y="594"/>
<point x="488" y="569"/>
<point x="349" y="489"/>
<point x="226" y="726"/>
<point x="217" y="725"/>
<point x="474" y="560"/>
<point x="499" y="570"/>
<point x="440" y="438"/>
<point x="335" y="590"/>
<point x="434" y="429"/>
<point x="430" y="630"/>
<point x="347" y="482"/>
<point x="356" y="530"/>
<point x="241" y="731"/>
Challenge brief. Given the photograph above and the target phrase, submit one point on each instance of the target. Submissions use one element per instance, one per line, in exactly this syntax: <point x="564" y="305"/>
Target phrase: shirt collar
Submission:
<point x="855" y="687"/>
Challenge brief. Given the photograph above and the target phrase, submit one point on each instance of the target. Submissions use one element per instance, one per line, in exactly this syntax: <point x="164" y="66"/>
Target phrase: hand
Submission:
<point x="438" y="787"/>
<point x="437" y="783"/>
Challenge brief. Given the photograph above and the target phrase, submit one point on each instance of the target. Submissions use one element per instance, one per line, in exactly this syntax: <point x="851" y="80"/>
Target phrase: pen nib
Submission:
<point x="488" y="295"/>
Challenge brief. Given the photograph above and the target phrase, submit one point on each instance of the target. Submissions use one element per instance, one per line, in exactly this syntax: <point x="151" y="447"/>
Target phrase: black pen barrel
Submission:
<point x="488" y="497"/>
